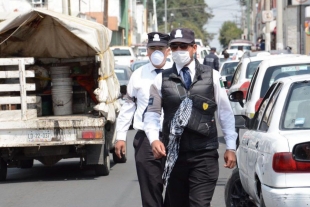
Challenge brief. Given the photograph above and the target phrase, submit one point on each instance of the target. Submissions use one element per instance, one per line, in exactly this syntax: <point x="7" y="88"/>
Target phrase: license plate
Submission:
<point x="39" y="136"/>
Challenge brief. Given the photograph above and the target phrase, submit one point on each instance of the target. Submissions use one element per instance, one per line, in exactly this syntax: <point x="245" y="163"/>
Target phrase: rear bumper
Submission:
<point x="286" y="197"/>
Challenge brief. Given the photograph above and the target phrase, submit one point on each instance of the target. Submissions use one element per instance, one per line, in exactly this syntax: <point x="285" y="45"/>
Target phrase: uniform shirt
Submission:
<point x="224" y="111"/>
<point x="138" y="87"/>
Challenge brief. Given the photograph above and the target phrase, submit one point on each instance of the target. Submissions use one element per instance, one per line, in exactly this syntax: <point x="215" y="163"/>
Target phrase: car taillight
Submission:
<point x="283" y="162"/>
<point x="244" y="88"/>
<point x="92" y="134"/>
<point x="228" y="83"/>
<point x="131" y="61"/>
<point x="257" y="104"/>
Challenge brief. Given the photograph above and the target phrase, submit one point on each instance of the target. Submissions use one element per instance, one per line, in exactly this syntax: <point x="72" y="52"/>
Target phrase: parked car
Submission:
<point x="246" y="44"/>
<point x="274" y="153"/>
<point x="201" y="53"/>
<point x="227" y="69"/>
<point x="240" y="81"/>
<point x="138" y="63"/>
<point x="123" y="55"/>
<point x="123" y="74"/>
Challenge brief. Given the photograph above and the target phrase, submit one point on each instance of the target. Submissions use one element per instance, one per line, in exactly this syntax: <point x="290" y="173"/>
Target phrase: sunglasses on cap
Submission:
<point x="183" y="46"/>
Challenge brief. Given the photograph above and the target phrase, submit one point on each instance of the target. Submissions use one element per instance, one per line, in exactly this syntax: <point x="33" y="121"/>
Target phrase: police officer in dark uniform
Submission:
<point x="212" y="59"/>
<point x="190" y="95"/>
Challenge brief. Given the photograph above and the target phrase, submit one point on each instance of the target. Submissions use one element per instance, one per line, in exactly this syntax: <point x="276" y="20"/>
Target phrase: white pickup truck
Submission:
<point x="32" y="46"/>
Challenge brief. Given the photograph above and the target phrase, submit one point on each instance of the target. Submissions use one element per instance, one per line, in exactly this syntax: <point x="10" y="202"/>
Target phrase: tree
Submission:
<point x="183" y="13"/>
<point x="229" y="31"/>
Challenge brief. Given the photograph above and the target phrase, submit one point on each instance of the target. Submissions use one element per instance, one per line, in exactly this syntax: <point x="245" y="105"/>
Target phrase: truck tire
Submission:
<point x="3" y="169"/>
<point x="104" y="170"/>
<point x="235" y="195"/>
<point x="26" y="163"/>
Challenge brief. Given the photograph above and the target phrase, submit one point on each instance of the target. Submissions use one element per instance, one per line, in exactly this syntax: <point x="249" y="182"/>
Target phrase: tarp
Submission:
<point x="45" y="34"/>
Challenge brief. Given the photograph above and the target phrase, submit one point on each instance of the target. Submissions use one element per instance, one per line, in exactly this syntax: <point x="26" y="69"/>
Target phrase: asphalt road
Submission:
<point x="66" y="185"/>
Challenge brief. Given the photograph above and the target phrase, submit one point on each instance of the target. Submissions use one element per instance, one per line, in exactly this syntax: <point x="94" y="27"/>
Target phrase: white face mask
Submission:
<point x="181" y="58"/>
<point x="157" y="57"/>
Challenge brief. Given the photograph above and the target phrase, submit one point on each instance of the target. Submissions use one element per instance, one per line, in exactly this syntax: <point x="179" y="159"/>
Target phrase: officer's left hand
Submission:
<point x="230" y="159"/>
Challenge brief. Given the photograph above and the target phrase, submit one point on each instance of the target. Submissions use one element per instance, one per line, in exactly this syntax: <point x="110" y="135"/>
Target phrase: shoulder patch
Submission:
<point x="221" y="82"/>
<point x="151" y="100"/>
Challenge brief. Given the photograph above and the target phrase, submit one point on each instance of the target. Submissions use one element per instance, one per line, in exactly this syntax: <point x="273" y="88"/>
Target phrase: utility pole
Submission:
<point x="165" y="16"/>
<point x="155" y="16"/>
<point x="69" y="7"/>
<point x="267" y="40"/>
<point x="279" y="25"/>
<point x="248" y="18"/>
<point x="106" y="13"/>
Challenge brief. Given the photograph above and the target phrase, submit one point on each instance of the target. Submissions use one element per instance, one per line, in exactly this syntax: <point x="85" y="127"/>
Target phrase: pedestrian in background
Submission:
<point x="212" y="59"/>
<point x="148" y="168"/>
<point x="191" y="95"/>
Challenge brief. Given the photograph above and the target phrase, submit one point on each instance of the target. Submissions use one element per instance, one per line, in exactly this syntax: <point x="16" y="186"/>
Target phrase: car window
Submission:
<point x="121" y="52"/>
<point x="296" y="110"/>
<point x="251" y="68"/>
<point x="265" y="123"/>
<point x="251" y="86"/>
<point x="138" y="65"/>
<point x="237" y="74"/>
<point x="121" y="74"/>
<point x="259" y="114"/>
<point x="228" y="68"/>
<point x="275" y="72"/>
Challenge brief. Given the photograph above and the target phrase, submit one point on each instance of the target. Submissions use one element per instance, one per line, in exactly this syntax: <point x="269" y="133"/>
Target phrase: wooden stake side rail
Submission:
<point x="22" y="87"/>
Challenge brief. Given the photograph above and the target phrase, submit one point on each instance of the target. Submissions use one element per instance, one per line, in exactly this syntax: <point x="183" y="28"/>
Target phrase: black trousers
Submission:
<point x="149" y="171"/>
<point x="193" y="179"/>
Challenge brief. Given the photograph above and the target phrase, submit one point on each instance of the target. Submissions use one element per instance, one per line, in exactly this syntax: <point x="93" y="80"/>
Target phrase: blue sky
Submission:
<point x="223" y="10"/>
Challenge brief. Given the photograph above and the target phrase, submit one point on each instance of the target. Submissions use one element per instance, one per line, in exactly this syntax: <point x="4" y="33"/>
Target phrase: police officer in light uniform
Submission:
<point x="193" y="157"/>
<point x="149" y="169"/>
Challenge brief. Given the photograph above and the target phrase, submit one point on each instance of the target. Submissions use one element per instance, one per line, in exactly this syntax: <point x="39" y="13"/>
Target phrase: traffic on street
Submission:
<point x="166" y="103"/>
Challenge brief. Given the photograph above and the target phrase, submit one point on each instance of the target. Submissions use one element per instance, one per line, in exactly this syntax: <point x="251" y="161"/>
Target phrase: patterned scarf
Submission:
<point x="178" y="123"/>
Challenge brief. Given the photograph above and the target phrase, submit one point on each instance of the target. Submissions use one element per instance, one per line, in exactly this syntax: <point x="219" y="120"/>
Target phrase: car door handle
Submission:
<point x="256" y="145"/>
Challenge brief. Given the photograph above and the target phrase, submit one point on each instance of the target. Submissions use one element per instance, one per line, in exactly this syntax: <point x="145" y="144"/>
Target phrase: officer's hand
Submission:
<point x="230" y="159"/>
<point x="120" y="148"/>
<point x="158" y="149"/>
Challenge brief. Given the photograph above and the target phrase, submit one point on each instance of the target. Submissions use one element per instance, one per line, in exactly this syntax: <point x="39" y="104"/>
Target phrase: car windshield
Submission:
<point x="228" y="68"/>
<point x="251" y="68"/>
<point x="121" y="52"/>
<point x="245" y="47"/>
<point x="121" y="74"/>
<point x="296" y="114"/>
<point x="275" y="72"/>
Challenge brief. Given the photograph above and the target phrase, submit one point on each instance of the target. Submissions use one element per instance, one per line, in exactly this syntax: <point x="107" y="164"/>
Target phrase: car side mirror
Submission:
<point x="242" y="122"/>
<point x="236" y="96"/>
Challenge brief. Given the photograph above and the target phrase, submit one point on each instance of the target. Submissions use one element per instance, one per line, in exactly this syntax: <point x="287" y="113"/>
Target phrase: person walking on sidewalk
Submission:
<point x="148" y="168"/>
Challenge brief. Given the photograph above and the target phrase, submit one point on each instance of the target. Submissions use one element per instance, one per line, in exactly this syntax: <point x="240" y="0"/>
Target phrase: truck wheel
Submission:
<point x="235" y="195"/>
<point x="26" y="163"/>
<point x="3" y="169"/>
<point x="103" y="170"/>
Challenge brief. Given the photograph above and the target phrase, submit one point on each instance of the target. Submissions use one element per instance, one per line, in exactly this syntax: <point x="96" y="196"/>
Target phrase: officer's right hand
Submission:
<point x="158" y="149"/>
<point x="120" y="148"/>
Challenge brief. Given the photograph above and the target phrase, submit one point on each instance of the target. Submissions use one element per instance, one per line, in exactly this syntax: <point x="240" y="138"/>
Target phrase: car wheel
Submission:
<point x="104" y="170"/>
<point x="26" y="163"/>
<point x="261" y="198"/>
<point x="3" y="169"/>
<point x="235" y="195"/>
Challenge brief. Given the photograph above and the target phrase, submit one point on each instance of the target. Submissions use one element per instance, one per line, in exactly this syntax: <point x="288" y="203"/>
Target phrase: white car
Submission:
<point x="274" y="153"/>
<point x="227" y="70"/>
<point x="123" y="55"/>
<point x="201" y="53"/>
<point x="242" y="77"/>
